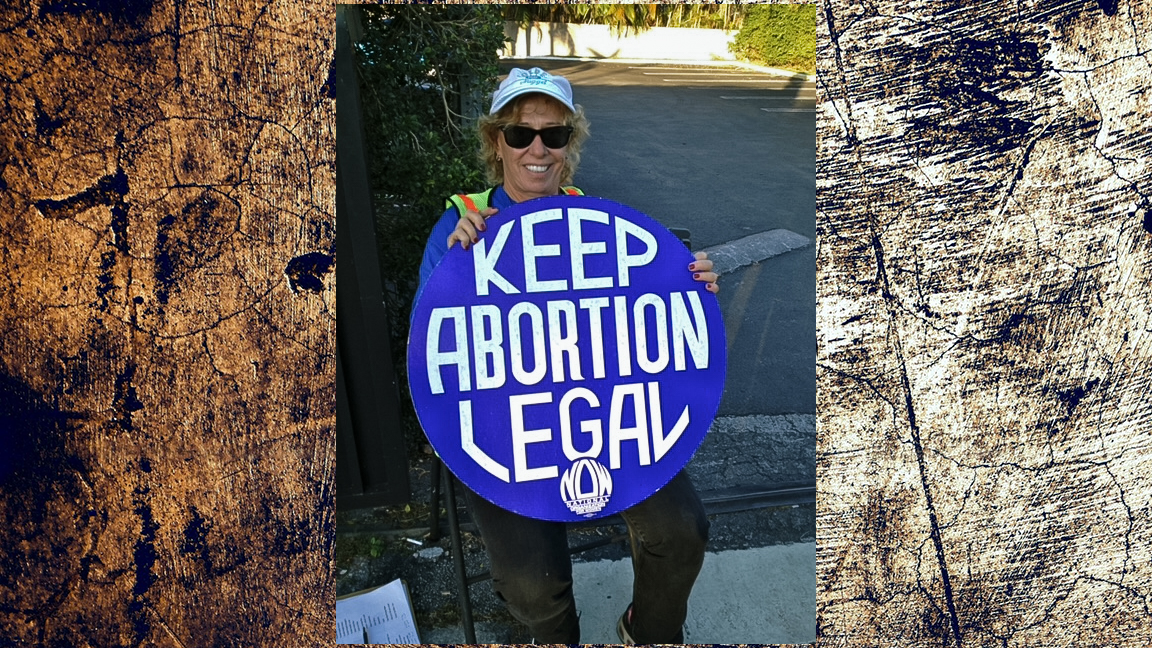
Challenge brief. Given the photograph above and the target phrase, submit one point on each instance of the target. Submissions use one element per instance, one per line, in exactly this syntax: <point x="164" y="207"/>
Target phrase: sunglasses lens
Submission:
<point x="519" y="137"/>
<point x="556" y="137"/>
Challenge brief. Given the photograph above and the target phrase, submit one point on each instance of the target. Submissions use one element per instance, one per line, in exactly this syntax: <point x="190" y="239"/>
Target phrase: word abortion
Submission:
<point x="551" y="344"/>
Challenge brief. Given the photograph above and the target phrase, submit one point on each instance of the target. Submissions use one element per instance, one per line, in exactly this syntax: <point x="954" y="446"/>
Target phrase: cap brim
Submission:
<point x="503" y="101"/>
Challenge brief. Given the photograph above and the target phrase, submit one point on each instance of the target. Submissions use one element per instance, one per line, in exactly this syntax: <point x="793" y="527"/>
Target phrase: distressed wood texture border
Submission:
<point x="167" y="323"/>
<point x="985" y="265"/>
<point x="167" y="320"/>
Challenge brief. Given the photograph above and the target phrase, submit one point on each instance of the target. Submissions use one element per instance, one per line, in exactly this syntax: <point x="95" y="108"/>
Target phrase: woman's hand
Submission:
<point x="701" y="270"/>
<point x="469" y="226"/>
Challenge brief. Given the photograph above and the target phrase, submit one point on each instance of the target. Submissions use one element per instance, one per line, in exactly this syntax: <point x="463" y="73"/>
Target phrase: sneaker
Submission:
<point x="624" y="627"/>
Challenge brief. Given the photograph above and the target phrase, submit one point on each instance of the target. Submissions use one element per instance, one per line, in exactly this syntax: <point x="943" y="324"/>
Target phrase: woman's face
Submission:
<point x="534" y="171"/>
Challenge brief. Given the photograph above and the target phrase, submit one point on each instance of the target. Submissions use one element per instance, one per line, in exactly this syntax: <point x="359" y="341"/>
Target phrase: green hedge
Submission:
<point x="425" y="73"/>
<point x="782" y="36"/>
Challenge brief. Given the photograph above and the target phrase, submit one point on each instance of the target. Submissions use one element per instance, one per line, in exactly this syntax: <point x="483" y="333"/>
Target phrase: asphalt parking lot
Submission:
<point x="726" y="153"/>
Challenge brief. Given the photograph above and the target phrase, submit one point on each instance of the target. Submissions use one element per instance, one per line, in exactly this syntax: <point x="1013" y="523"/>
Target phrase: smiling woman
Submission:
<point x="527" y="100"/>
<point x="533" y="170"/>
<point x="530" y="145"/>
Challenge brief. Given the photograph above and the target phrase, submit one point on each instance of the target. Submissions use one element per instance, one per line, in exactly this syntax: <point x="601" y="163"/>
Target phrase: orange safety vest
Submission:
<point x="477" y="201"/>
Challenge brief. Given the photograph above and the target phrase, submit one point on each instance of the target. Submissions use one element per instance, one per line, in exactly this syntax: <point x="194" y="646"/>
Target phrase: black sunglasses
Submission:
<point x="554" y="137"/>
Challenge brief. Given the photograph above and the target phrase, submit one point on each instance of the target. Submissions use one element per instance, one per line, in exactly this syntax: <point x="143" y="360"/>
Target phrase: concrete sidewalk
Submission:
<point x="757" y="586"/>
<point x="732" y="603"/>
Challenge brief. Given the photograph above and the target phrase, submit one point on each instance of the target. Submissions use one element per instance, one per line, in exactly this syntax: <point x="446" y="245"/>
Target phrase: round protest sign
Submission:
<point x="567" y="365"/>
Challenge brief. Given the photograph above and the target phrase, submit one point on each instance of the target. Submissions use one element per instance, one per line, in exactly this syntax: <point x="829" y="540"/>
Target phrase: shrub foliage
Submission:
<point x="425" y="72"/>
<point x="778" y="35"/>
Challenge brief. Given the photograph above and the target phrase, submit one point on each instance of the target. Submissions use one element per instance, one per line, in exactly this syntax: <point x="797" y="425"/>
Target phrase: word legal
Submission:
<point x="647" y="432"/>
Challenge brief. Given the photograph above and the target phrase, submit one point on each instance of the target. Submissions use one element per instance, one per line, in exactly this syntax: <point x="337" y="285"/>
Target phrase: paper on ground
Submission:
<point x="383" y="615"/>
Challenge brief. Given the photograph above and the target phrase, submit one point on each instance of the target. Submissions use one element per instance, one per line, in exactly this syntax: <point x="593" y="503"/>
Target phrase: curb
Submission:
<point x="755" y="248"/>
<point x="740" y="64"/>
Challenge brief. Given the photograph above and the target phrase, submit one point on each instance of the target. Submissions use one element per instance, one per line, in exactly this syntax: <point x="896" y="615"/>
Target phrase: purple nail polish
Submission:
<point x="696" y="276"/>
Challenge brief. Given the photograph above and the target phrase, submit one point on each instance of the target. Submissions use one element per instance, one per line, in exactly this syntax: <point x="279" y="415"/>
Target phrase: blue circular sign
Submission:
<point x="567" y="366"/>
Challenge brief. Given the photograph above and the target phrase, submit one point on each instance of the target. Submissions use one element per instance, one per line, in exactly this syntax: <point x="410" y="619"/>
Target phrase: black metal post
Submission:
<point x="434" y="503"/>
<point x="458" y="558"/>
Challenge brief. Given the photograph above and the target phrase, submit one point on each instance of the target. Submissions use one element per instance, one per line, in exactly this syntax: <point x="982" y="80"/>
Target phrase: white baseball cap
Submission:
<point x="522" y="81"/>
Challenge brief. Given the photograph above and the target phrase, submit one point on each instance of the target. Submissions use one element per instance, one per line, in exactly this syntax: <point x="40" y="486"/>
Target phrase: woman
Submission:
<point x="530" y="142"/>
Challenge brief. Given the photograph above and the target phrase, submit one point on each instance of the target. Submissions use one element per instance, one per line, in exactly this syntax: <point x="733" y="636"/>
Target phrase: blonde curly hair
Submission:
<point x="489" y="127"/>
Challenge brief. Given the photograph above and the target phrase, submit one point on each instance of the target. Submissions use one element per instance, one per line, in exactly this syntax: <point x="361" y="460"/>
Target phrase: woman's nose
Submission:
<point x="537" y="146"/>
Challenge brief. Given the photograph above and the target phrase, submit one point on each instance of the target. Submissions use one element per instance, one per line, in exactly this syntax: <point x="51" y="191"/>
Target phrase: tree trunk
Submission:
<point x="985" y="268"/>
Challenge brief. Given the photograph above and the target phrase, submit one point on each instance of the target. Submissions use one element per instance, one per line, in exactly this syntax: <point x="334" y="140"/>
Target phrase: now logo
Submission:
<point x="581" y="501"/>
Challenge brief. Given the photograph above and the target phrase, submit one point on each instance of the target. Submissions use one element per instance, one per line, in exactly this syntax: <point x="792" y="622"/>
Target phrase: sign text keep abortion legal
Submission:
<point x="567" y="365"/>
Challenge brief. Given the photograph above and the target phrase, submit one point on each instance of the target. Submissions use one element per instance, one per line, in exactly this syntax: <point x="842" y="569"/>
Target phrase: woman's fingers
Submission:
<point x="469" y="226"/>
<point x="475" y="219"/>
<point x="465" y="233"/>
<point x="702" y="270"/>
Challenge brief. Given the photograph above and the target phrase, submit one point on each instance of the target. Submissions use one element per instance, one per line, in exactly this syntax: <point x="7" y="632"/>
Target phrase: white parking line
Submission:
<point x="674" y="67"/>
<point x="721" y="81"/>
<point x="771" y="98"/>
<point x="711" y="73"/>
